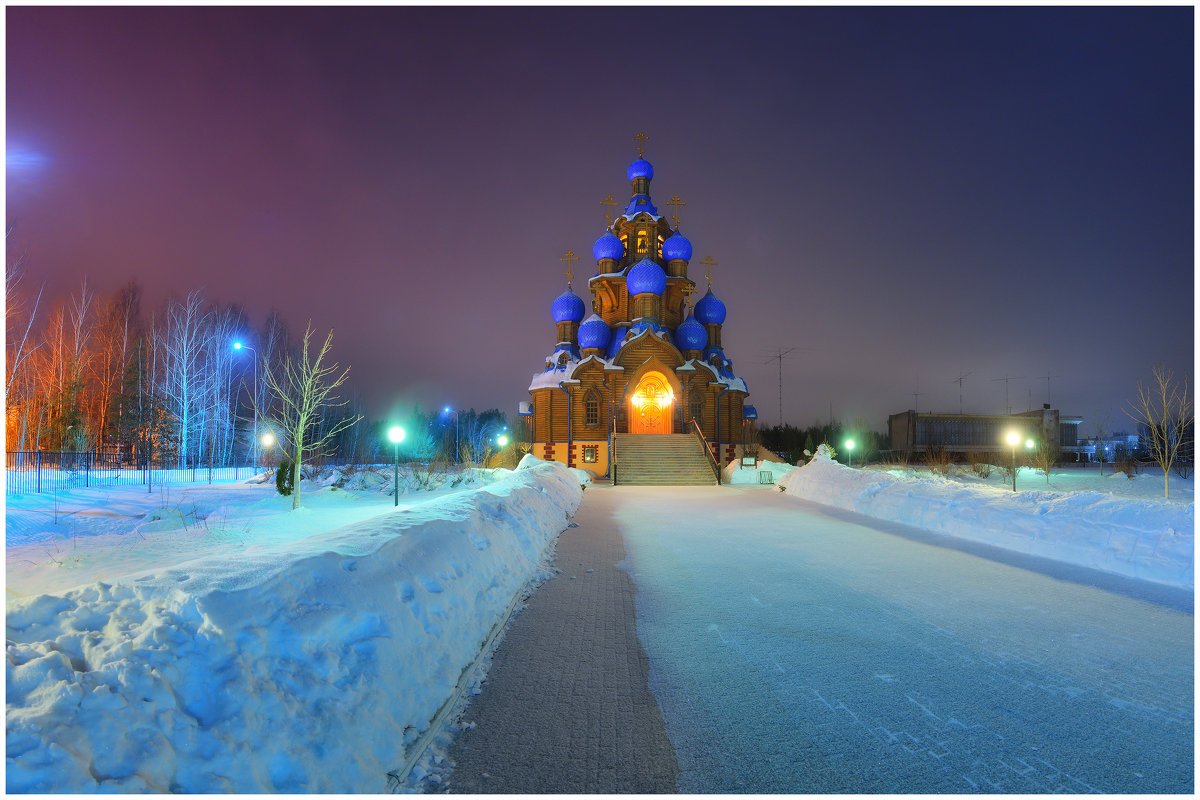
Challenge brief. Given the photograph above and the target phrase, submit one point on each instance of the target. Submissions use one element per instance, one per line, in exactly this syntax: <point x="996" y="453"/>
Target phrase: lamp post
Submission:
<point x="396" y="434"/>
<point x="447" y="410"/>
<point x="850" y="452"/>
<point x="502" y="440"/>
<point x="1014" y="439"/>
<point x="254" y="400"/>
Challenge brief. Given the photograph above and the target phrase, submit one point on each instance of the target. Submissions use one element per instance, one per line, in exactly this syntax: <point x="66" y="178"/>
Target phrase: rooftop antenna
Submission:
<point x="1006" y="379"/>
<point x="917" y="391"/>
<point x="778" y="357"/>
<point x="1047" y="377"/>
<point x="959" y="381"/>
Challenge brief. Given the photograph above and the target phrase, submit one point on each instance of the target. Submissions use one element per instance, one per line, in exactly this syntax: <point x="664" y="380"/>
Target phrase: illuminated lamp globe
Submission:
<point x="396" y="434"/>
<point x="502" y="440"/>
<point x="1014" y="439"/>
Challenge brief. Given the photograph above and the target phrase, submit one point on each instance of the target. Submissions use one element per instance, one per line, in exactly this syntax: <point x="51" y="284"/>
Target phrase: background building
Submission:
<point x="911" y="432"/>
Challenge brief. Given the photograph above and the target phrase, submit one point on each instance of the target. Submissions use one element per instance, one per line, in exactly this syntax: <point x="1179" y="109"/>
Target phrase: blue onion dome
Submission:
<point x="646" y="277"/>
<point x="677" y="246"/>
<point x="594" y="332"/>
<point x="608" y="246"/>
<point x="690" y="335"/>
<point x="640" y="169"/>
<point x="710" y="310"/>
<point x="567" y="308"/>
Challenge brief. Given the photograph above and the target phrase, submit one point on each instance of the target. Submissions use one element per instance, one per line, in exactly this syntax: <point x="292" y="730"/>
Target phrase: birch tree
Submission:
<point x="1165" y="410"/>
<point x="299" y="391"/>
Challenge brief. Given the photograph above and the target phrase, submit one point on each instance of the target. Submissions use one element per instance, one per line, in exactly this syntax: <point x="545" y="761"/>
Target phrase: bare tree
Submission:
<point x="1101" y="424"/>
<point x="299" y="391"/>
<point x="1165" y="410"/>
<point x="1045" y="456"/>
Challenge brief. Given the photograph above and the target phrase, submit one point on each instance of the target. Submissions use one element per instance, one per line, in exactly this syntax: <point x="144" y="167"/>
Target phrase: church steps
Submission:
<point x="662" y="460"/>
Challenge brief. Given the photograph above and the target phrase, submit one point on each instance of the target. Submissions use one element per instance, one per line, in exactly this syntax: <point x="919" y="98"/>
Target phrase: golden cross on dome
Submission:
<point x="676" y="201"/>
<point x="609" y="202"/>
<point x="708" y="265"/>
<point x="641" y="137"/>
<point x="687" y="296"/>
<point x="569" y="257"/>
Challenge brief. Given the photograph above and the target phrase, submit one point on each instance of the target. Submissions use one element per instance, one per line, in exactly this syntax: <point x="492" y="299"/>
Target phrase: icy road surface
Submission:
<point x="797" y="648"/>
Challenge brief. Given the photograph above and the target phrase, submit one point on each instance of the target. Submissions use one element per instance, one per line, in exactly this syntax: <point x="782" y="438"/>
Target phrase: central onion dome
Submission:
<point x="646" y="277"/>
<point x="690" y="335"/>
<point x="640" y="169"/>
<point x="710" y="310"/>
<point x="608" y="246"/>
<point x="567" y="307"/>
<point x="594" y="332"/>
<point x="677" y="246"/>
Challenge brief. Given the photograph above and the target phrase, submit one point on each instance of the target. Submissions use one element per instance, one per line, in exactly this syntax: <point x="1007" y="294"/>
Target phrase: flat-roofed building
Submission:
<point x="912" y="432"/>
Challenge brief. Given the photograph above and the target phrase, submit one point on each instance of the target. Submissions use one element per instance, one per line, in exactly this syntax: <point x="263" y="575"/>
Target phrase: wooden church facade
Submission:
<point x="642" y="362"/>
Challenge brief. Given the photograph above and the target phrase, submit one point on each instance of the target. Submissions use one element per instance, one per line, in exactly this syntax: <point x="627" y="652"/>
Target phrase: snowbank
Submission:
<point x="308" y="666"/>
<point x="1148" y="539"/>
<point x="736" y="474"/>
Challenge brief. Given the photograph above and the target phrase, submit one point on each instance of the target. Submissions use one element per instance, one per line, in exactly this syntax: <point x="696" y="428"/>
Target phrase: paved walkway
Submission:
<point x="566" y="707"/>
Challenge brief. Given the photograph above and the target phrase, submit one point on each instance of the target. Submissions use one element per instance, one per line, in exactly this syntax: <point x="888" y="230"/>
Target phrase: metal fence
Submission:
<point x="30" y="471"/>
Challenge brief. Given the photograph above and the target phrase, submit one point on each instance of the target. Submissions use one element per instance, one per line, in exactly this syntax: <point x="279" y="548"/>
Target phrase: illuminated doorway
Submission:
<point x="651" y="403"/>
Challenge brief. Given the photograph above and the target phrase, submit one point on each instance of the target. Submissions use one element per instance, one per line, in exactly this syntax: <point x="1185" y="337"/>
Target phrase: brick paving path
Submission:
<point x="565" y="707"/>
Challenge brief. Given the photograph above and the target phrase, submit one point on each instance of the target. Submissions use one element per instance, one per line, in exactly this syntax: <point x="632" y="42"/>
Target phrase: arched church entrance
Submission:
<point x="652" y="403"/>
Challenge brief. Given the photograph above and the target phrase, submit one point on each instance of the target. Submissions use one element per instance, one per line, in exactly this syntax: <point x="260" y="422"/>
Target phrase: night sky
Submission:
<point x="894" y="192"/>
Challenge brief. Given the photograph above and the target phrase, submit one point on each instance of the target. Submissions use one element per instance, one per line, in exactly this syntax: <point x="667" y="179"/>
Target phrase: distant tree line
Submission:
<point x="103" y="373"/>
<point x="791" y="442"/>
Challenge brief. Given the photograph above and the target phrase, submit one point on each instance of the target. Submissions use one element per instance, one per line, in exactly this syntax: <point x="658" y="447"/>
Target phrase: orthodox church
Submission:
<point x="643" y="361"/>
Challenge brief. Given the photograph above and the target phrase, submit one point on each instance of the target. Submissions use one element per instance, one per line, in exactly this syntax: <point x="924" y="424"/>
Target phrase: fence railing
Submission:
<point x="36" y="471"/>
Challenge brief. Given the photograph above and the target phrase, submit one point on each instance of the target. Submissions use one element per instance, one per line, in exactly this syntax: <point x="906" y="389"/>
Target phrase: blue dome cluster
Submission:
<point x="594" y="332"/>
<point x="710" y="310"/>
<point x="640" y="169"/>
<point x="567" y="307"/>
<point x="646" y="277"/>
<point x="690" y="335"/>
<point x="608" y="246"/>
<point x="677" y="246"/>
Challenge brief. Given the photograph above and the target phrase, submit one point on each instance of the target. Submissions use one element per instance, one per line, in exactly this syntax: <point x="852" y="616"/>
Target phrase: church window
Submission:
<point x="589" y="453"/>
<point x="562" y="360"/>
<point x="695" y="406"/>
<point x="591" y="408"/>
<point x="641" y="242"/>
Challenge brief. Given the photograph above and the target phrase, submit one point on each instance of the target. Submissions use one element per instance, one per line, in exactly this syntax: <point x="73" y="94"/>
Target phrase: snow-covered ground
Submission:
<point x="1111" y="523"/>
<point x="209" y="639"/>
<point x="799" y="648"/>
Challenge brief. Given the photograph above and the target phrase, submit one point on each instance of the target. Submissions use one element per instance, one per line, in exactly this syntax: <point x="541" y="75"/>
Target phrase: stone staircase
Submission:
<point x="650" y="459"/>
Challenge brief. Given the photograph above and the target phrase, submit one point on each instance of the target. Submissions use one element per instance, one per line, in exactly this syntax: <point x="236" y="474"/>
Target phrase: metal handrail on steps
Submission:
<point x="712" y="461"/>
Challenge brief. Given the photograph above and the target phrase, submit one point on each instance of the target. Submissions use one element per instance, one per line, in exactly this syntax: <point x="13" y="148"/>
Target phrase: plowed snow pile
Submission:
<point x="1141" y="538"/>
<point x="299" y="666"/>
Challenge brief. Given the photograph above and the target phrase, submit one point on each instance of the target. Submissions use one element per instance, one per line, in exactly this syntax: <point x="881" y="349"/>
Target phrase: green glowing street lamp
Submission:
<point x="850" y="452"/>
<point x="502" y="440"/>
<point x="396" y="434"/>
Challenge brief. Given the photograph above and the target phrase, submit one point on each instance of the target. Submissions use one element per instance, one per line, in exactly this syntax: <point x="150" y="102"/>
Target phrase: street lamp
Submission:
<point x="1014" y="439"/>
<point x="850" y="452"/>
<point x="254" y="400"/>
<point x="502" y="440"/>
<point x="447" y="410"/>
<point x="396" y="434"/>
